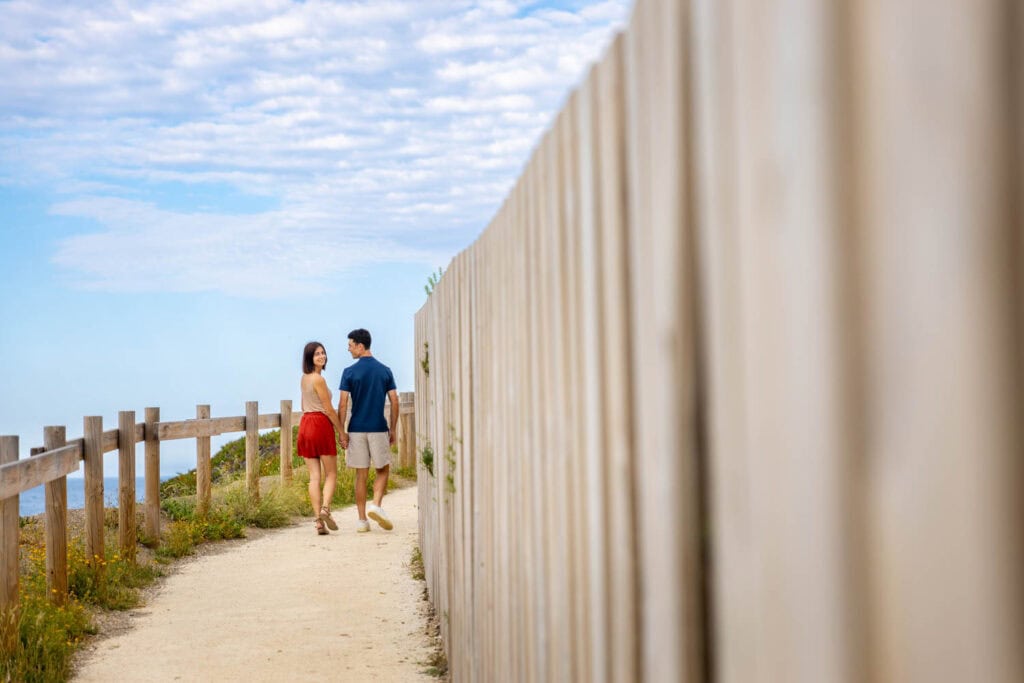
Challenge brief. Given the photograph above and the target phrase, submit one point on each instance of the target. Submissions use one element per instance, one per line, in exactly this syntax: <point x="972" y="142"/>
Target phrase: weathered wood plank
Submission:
<point x="110" y="440"/>
<point x="92" y="453"/>
<point x="252" y="440"/>
<point x="204" y="484"/>
<point x="613" y="451"/>
<point x="126" y="531"/>
<point x="22" y="475"/>
<point x="940" y="256"/>
<point x="664" y="370"/>
<point x="286" y="441"/>
<point x="10" y="532"/>
<point x="152" y="474"/>
<point x="191" y="429"/>
<point x="56" y="523"/>
<point x="270" y="421"/>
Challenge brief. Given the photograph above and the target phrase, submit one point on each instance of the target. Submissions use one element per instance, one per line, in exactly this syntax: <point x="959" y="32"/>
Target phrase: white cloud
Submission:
<point x="383" y="125"/>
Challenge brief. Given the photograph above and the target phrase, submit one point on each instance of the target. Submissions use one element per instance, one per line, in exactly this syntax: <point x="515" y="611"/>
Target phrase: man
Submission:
<point x="368" y="439"/>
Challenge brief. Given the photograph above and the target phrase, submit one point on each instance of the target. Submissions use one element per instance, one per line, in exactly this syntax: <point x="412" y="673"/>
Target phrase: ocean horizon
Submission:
<point x="33" y="501"/>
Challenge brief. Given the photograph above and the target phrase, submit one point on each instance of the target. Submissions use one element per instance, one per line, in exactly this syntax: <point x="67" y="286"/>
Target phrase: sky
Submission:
<point x="191" y="191"/>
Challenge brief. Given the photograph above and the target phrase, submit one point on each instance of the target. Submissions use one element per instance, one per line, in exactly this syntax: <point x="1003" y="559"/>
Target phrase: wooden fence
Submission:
<point x="732" y="387"/>
<point x="50" y="465"/>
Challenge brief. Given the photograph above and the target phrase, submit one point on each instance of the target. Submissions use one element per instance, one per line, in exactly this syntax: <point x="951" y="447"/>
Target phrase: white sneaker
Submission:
<point x="362" y="526"/>
<point x="376" y="513"/>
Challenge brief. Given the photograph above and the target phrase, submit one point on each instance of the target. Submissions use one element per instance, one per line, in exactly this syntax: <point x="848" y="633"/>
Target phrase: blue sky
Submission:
<point x="191" y="191"/>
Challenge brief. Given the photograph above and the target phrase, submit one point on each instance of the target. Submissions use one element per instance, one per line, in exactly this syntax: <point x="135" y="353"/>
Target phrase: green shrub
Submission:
<point x="270" y="511"/>
<point x="179" y="508"/>
<point x="228" y="463"/>
<point x="427" y="458"/>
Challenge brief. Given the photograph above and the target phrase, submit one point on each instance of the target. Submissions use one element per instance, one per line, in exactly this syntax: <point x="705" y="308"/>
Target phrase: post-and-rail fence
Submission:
<point x="732" y="386"/>
<point x="50" y="464"/>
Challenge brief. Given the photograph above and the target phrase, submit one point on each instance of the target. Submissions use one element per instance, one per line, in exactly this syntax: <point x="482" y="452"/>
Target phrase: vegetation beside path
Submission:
<point x="48" y="634"/>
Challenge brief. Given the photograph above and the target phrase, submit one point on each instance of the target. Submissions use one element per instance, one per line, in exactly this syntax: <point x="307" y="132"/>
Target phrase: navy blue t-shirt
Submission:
<point x="368" y="382"/>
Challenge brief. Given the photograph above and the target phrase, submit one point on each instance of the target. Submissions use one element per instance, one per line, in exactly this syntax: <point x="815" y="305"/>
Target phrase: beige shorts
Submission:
<point x="366" y="446"/>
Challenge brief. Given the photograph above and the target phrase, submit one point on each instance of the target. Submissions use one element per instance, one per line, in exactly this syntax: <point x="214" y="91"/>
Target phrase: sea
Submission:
<point x="33" y="502"/>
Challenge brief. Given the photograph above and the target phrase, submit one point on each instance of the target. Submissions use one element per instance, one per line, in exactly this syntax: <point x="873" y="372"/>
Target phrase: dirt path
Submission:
<point x="290" y="605"/>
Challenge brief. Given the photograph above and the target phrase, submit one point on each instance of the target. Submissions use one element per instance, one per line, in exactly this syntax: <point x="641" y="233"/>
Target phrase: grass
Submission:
<point x="48" y="635"/>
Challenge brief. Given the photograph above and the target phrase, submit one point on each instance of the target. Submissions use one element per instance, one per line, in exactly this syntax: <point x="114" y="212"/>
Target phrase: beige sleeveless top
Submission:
<point x="310" y="400"/>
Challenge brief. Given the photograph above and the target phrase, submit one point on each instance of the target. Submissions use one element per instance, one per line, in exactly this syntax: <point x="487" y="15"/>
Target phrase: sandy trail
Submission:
<point x="290" y="605"/>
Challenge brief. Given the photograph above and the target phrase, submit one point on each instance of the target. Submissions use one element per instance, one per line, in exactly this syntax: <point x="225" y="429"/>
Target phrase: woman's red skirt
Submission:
<point x="316" y="436"/>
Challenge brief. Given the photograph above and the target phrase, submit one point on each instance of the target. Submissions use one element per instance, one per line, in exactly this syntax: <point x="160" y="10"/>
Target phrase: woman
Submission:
<point x="317" y="442"/>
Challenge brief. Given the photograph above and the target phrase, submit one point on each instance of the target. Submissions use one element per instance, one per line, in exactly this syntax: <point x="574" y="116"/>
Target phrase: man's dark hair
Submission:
<point x="307" y="356"/>
<point x="360" y="336"/>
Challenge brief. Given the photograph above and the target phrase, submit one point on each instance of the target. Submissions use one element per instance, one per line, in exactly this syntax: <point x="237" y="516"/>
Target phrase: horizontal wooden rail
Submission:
<point x="191" y="429"/>
<point x="22" y="475"/>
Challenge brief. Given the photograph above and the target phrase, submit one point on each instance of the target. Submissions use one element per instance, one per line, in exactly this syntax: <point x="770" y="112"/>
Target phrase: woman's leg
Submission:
<point x="330" y="463"/>
<point x="313" y="465"/>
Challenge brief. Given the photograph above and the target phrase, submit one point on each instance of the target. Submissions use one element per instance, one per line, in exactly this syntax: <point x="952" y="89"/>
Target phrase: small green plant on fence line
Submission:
<point x="450" y="457"/>
<point x="416" y="564"/>
<point x="427" y="457"/>
<point x="425" y="361"/>
<point x="432" y="281"/>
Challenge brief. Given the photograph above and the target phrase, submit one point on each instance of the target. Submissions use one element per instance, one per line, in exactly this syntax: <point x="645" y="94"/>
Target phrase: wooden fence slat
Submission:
<point x="286" y="441"/>
<point x="56" y="523"/>
<point x="252" y="437"/>
<point x="9" y="565"/>
<point x="735" y="641"/>
<point x="787" y="463"/>
<point x="92" y="453"/>
<point x="574" y="504"/>
<point x="204" y="484"/>
<point x="664" y="367"/>
<point x="126" y="530"/>
<point x="592" y="437"/>
<point x="939" y="244"/>
<point x="152" y="474"/>
<point x="613" y="452"/>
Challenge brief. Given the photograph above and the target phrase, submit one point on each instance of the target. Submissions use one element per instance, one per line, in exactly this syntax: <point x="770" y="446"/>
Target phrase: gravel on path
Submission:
<point x="289" y="605"/>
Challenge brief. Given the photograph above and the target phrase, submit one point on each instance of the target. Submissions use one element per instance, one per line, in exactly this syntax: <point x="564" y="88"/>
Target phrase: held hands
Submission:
<point x="343" y="438"/>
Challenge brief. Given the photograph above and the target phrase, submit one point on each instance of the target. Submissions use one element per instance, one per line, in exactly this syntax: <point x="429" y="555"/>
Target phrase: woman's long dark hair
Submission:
<point x="307" y="356"/>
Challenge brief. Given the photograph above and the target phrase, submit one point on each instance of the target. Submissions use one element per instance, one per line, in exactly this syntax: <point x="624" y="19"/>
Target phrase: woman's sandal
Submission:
<point x="325" y="515"/>
<point x="320" y="529"/>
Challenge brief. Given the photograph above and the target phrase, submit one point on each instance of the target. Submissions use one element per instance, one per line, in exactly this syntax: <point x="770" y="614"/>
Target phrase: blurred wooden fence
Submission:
<point x="731" y="387"/>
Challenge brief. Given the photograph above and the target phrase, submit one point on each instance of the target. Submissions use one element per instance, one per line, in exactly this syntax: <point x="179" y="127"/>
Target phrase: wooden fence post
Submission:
<point x="407" y="443"/>
<point x="152" y="474"/>
<point x="406" y="431"/>
<point x="203" y="473"/>
<point x="286" y="441"/>
<point x="126" y="483"/>
<point x="252" y="440"/>
<point x="9" y="533"/>
<point x="56" y="528"/>
<point x="92" y="429"/>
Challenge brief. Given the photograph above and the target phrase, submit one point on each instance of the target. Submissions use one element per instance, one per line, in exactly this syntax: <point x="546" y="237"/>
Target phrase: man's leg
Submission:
<point x="380" y="484"/>
<point x="362" y="473"/>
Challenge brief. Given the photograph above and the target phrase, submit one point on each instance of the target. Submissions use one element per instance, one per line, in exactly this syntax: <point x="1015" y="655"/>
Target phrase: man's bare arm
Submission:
<point x="393" y="432"/>
<point x="343" y="418"/>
